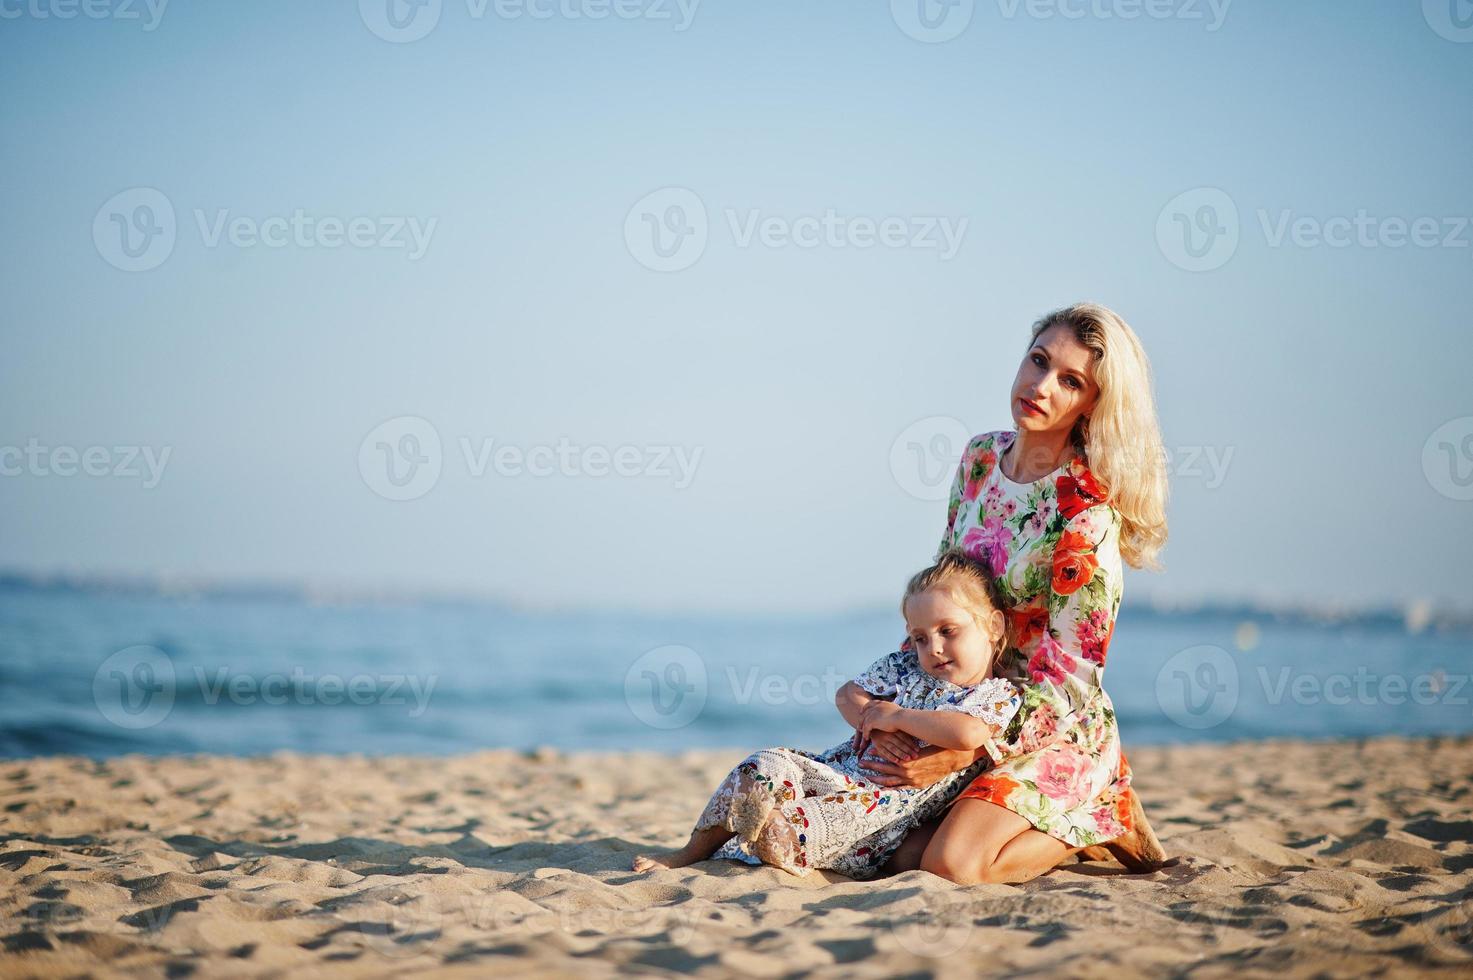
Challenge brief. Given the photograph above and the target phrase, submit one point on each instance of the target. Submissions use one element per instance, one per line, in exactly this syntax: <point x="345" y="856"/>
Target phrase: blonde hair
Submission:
<point x="970" y="585"/>
<point x="1121" y="438"/>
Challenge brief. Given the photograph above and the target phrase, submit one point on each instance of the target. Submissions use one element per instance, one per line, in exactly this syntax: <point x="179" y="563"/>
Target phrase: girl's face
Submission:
<point x="1055" y="383"/>
<point x="950" y="643"/>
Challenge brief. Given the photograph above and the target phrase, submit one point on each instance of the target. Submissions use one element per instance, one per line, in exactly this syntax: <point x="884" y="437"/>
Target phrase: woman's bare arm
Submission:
<point x="925" y="767"/>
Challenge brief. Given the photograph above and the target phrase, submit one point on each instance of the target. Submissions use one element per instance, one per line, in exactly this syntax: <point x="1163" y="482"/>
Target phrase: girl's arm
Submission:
<point x="948" y="729"/>
<point x="851" y="701"/>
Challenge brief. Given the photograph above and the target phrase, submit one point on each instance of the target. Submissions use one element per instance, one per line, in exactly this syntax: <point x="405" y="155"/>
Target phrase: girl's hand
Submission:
<point x="895" y="746"/>
<point x="877" y="715"/>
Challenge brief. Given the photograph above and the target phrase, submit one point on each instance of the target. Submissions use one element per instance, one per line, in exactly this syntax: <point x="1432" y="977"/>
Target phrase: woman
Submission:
<point x="1052" y="509"/>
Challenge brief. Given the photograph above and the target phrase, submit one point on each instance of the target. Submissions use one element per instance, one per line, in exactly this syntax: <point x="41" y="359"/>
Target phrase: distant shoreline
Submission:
<point x="1411" y="617"/>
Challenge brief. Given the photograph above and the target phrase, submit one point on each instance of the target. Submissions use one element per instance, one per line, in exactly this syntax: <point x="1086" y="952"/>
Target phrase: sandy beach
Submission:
<point x="1296" y="859"/>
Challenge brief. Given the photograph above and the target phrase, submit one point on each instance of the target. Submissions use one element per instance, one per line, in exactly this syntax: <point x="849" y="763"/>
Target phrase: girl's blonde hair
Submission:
<point x="970" y="585"/>
<point x="1120" y="439"/>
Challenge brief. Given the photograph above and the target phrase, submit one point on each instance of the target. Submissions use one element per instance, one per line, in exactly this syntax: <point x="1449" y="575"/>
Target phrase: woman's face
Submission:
<point x="1055" y="383"/>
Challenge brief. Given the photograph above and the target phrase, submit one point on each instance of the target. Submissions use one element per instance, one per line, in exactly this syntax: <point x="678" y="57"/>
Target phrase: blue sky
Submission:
<point x="1300" y="383"/>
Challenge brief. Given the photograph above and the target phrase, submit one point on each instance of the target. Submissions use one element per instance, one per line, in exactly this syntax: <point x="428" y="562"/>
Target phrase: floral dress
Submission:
<point x="1053" y="547"/>
<point x="798" y="811"/>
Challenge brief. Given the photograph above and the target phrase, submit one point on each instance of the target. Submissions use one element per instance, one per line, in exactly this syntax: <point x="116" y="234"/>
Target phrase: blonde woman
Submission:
<point x="1053" y="509"/>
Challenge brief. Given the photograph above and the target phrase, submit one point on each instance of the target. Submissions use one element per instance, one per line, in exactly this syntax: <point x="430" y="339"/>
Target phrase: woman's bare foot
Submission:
<point x="702" y="844"/>
<point x="1139" y="850"/>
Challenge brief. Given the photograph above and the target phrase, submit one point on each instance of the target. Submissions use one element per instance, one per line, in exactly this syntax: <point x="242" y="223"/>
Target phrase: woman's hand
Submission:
<point x="929" y="765"/>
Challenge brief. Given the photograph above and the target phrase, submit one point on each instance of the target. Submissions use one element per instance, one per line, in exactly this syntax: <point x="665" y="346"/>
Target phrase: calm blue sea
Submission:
<point x="101" y="674"/>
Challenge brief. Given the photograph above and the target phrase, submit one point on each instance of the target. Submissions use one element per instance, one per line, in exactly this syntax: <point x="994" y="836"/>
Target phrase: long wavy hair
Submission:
<point x="1121" y="439"/>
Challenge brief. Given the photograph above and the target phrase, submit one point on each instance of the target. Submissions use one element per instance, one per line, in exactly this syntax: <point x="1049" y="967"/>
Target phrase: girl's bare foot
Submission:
<point x="702" y="844"/>
<point x="664" y="859"/>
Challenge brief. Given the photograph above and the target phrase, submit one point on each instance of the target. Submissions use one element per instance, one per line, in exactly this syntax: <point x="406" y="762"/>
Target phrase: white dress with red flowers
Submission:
<point x="1054" y="549"/>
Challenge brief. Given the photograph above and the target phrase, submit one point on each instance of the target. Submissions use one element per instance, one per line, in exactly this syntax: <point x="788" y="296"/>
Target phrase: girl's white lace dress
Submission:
<point x="798" y="811"/>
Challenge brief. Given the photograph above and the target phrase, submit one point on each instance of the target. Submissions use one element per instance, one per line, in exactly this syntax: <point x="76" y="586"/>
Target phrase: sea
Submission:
<point x="101" y="672"/>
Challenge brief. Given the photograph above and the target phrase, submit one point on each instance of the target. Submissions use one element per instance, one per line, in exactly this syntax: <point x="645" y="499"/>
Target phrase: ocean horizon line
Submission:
<point x="1414" y="615"/>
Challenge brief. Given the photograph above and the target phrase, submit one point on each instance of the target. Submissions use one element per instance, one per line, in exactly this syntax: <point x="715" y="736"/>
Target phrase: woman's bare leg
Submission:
<point x="983" y="842"/>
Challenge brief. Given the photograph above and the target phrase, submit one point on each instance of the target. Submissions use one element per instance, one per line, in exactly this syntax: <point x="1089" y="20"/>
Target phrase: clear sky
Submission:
<point x="1305" y="358"/>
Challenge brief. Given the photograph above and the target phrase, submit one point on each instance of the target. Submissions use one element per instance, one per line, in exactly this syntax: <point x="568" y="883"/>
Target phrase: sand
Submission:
<point x="1296" y="859"/>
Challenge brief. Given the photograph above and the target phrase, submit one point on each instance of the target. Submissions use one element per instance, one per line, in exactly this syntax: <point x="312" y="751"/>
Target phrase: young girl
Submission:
<point x="799" y="811"/>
